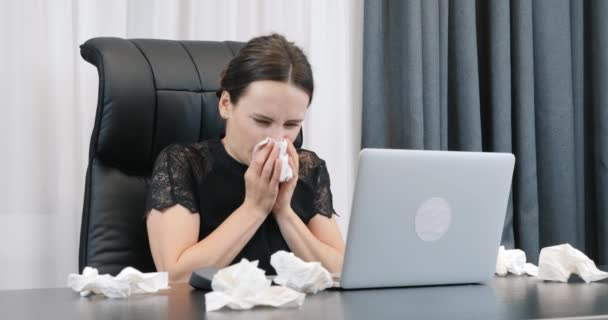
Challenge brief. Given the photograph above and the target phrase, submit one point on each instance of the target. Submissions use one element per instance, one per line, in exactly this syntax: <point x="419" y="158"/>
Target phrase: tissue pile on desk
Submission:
<point x="292" y="272"/>
<point x="129" y="281"/>
<point x="513" y="261"/>
<point x="286" y="172"/>
<point x="557" y="263"/>
<point x="243" y="286"/>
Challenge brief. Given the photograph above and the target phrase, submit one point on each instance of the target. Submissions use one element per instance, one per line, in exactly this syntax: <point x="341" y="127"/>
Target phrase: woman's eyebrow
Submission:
<point x="263" y="117"/>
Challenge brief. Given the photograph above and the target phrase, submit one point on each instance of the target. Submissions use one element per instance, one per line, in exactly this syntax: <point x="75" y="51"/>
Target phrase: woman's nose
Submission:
<point x="277" y="134"/>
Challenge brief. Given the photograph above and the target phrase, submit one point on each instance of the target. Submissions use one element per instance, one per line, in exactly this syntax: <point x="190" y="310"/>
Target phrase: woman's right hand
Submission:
<point x="262" y="178"/>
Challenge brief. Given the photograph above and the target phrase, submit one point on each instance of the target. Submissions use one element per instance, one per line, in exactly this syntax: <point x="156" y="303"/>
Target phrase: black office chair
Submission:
<point x="152" y="93"/>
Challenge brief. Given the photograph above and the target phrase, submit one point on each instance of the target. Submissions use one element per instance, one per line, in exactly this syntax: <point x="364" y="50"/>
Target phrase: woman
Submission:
<point x="214" y="202"/>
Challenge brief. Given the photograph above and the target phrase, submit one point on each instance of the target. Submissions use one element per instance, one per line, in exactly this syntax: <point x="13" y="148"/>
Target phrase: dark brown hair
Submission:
<point x="267" y="58"/>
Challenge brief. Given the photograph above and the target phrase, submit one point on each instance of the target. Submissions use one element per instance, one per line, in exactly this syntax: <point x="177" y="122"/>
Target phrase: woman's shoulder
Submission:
<point x="186" y="151"/>
<point x="309" y="156"/>
<point x="309" y="163"/>
<point x="194" y="155"/>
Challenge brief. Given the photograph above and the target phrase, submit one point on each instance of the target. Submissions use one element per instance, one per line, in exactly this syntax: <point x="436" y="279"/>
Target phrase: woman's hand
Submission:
<point x="262" y="178"/>
<point x="283" y="201"/>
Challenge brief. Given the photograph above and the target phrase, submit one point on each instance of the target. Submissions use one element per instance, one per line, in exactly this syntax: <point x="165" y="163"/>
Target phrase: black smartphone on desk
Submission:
<point x="201" y="278"/>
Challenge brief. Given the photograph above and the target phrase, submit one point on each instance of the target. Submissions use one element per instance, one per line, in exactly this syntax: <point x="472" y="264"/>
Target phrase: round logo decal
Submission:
<point x="433" y="219"/>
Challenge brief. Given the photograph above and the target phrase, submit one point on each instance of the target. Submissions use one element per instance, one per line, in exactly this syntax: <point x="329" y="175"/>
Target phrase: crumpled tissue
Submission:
<point x="514" y="261"/>
<point x="293" y="272"/>
<point x="129" y="281"/>
<point x="243" y="286"/>
<point x="557" y="263"/>
<point x="286" y="172"/>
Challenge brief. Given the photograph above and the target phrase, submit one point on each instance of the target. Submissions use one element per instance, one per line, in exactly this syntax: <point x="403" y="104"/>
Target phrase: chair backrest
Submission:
<point x="152" y="93"/>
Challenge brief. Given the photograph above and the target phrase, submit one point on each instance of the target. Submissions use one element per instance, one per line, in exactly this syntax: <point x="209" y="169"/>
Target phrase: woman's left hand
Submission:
<point x="283" y="203"/>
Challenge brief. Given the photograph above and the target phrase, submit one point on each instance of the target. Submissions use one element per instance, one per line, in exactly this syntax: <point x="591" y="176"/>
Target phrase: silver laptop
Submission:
<point x="425" y="218"/>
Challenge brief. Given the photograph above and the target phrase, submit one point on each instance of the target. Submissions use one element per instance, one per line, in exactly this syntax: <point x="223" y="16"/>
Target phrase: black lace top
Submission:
<point x="206" y="180"/>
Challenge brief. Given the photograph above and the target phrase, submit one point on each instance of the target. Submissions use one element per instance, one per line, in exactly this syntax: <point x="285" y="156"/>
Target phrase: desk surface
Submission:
<point x="503" y="298"/>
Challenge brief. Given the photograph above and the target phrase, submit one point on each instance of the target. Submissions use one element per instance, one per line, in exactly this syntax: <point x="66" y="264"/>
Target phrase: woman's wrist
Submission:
<point x="254" y="210"/>
<point x="285" y="214"/>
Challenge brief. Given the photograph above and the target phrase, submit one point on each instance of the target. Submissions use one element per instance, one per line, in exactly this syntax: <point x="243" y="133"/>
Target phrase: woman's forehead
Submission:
<point x="275" y="99"/>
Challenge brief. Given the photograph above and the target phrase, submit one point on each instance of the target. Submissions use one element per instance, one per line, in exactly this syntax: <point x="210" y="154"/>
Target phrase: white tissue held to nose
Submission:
<point x="286" y="172"/>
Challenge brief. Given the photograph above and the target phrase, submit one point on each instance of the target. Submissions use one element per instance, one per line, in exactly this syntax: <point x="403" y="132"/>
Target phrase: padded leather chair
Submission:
<point x="152" y="93"/>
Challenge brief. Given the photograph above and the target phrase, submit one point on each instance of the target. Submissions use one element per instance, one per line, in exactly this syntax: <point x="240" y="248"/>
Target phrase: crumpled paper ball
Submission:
<point x="514" y="261"/>
<point x="557" y="263"/>
<point x="292" y="272"/>
<point x="129" y="281"/>
<point x="243" y="286"/>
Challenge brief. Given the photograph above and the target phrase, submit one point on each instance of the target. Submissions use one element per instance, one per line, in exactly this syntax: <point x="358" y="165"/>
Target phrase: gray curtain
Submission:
<point x="527" y="77"/>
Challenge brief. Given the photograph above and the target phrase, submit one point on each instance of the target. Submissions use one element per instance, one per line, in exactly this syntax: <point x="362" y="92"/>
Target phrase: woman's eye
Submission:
<point x="262" y="122"/>
<point x="291" y="125"/>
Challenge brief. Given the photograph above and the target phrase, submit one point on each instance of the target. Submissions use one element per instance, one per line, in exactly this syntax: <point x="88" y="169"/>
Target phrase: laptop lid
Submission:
<point x="426" y="217"/>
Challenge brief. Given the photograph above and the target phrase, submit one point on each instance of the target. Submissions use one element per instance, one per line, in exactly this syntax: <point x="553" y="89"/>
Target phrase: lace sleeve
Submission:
<point x="322" y="200"/>
<point x="172" y="181"/>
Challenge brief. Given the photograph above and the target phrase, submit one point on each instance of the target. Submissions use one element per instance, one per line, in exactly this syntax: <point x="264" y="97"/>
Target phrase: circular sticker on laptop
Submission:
<point x="433" y="219"/>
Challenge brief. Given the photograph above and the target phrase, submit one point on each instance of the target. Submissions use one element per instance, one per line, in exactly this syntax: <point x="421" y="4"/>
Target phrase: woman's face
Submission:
<point x="265" y="109"/>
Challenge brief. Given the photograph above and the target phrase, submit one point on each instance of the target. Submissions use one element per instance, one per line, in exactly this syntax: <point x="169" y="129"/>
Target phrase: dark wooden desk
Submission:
<point x="502" y="298"/>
